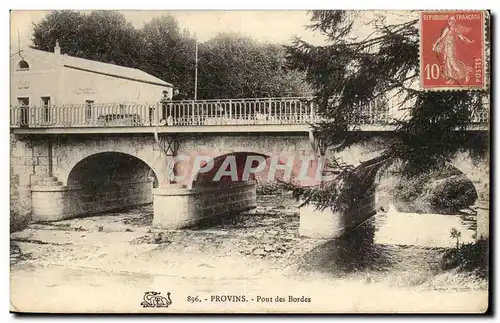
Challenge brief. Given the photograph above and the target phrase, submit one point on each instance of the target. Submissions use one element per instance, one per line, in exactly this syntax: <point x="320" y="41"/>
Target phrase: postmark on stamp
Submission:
<point x="452" y="50"/>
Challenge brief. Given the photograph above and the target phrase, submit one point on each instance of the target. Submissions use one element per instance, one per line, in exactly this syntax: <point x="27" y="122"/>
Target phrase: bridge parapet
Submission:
<point x="290" y="110"/>
<point x="201" y="113"/>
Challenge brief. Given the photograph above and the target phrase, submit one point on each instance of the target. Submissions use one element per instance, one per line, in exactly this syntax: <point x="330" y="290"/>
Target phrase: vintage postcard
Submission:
<point x="322" y="161"/>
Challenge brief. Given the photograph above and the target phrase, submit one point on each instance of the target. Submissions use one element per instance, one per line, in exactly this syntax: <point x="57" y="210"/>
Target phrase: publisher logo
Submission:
<point x="155" y="299"/>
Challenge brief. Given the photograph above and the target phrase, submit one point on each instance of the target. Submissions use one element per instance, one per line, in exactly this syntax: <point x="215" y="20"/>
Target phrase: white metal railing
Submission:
<point x="289" y="110"/>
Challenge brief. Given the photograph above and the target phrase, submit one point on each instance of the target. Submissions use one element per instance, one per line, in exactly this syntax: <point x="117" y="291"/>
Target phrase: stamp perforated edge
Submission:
<point x="485" y="14"/>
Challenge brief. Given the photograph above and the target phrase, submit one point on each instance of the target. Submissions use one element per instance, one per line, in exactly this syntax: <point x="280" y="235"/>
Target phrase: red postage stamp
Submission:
<point x="452" y="50"/>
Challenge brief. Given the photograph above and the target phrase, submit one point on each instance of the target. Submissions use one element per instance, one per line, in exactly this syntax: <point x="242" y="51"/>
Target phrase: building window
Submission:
<point x="23" y="102"/>
<point x="23" y="65"/>
<point x="88" y="109"/>
<point x="46" y="108"/>
<point x="122" y="108"/>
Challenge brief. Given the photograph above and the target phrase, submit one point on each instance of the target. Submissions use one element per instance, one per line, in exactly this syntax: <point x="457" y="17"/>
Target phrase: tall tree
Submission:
<point x="100" y="35"/>
<point x="168" y="52"/>
<point x="159" y="47"/>
<point x="63" y="25"/>
<point x="233" y="66"/>
<point x="347" y="74"/>
<point x="230" y="66"/>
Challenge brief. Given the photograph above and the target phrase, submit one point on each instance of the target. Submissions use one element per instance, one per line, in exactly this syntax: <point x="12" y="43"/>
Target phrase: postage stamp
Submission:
<point x="452" y="50"/>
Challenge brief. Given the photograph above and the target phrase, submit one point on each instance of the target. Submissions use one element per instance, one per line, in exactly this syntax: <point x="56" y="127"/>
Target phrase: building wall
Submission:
<point x="70" y="86"/>
<point x="81" y="86"/>
<point x="42" y="79"/>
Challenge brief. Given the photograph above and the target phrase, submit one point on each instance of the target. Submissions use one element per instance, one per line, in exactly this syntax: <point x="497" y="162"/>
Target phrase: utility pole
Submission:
<point x="196" y="68"/>
<point x="18" y="42"/>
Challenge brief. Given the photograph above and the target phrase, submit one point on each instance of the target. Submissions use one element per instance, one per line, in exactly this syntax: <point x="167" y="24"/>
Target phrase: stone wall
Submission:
<point x="57" y="202"/>
<point x="71" y="150"/>
<point x="110" y="197"/>
<point x="29" y="163"/>
<point x="179" y="207"/>
<point x="215" y="144"/>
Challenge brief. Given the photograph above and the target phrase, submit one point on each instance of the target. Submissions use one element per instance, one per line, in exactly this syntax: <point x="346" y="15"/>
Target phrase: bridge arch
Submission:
<point x="225" y="169"/>
<point x="142" y="148"/>
<point x="374" y="189"/>
<point x="476" y="167"/>
<point x="110" y="180"/>
<point x="241" y="166"/>
<point x="65" y="173"/>
<point x="110" y="166"/>
<point x="415" y="195"/>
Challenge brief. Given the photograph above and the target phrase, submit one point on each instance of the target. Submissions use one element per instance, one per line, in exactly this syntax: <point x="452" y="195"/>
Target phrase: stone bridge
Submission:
<point x="61" y="171"/>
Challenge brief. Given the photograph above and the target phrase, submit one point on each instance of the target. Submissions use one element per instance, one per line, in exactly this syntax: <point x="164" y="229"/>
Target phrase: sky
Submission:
<point x="271" y="26"/>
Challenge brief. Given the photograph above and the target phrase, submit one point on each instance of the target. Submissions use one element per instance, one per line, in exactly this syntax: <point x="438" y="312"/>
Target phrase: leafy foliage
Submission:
<point x="230" y="66"/>
<point x="468" y="257"/>
<point x="269" y="188"/>
<point x="101" y="35"/>
<point x="454" y="233"/>
<point x="442" y="189"/>
<point x="169" y="53"/>
<point x="452" y="194"/>
<point x="233" y="66"/>
<point x="351" y="184"/>
<point x="348" y="73"/>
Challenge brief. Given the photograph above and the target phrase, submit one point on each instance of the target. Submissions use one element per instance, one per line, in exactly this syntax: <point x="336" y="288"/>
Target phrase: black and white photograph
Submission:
<point x="249" y="161"/>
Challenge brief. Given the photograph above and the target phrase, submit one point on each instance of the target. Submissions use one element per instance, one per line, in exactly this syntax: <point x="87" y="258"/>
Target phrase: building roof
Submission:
<point x="95" y="67"/>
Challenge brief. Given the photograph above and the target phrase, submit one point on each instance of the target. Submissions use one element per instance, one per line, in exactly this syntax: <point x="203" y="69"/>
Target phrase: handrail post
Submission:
<point x="270" y="110"/>
<point x="311" y="112"/>
<point x="193" y="114"/>
<point x="157" y="114"/>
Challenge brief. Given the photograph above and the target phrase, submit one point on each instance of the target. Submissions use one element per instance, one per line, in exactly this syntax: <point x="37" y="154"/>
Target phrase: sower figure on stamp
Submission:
<point x="454" y="69"/>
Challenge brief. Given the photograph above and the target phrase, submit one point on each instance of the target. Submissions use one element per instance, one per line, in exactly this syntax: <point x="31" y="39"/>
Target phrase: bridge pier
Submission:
<point x="53" y="201"/>
<point x="49" y="200"/>
<point x="327" y="224"/>
<point x="176" y="206"/>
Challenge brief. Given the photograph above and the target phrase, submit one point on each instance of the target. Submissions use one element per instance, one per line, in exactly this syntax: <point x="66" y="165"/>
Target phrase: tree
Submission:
<point x="230" y="66"/>
<point x="233" y="66"/>
<point x="64" y="25"/>
<point x="455" y="234"/>
<point x="169" y="53"/>
<point x="348" y="73"/>
<point x="109" y="37"/>
<point x="159" y="48"/>
<point x="101" y="35"/>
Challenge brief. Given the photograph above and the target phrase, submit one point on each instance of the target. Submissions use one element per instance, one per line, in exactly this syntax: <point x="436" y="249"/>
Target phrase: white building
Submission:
<point x="46" y="79"/>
